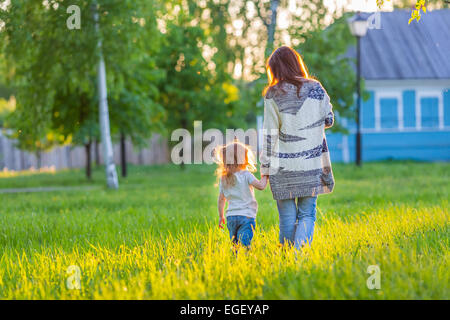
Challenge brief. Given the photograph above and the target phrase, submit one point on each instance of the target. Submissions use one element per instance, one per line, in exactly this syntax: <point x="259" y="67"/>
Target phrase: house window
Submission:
<point x="429" y="109"/>
<point x="388" y="113"/>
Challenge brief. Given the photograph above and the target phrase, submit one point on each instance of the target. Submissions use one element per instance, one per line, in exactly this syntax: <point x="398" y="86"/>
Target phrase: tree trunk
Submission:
<point x="69" y="158"/>
<point x="183" y="125"/>
<point x="22" y="160"/>
<point x="141" y="157"/>
<point x="108" y="157"/>
<point x="123" y="154"/>
<point x="97" y="153"/>
<point x="38" y="158"/>
<point x="87" y="148"/>
<point x="2" y="153"/>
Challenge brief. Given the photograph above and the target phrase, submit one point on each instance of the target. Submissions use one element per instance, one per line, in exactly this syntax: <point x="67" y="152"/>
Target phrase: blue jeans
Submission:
<point x="297" y="220"/>
<point x="241" y="229"/>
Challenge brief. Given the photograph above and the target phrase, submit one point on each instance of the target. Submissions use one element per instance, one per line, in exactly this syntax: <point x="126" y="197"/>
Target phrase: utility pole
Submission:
<point x="358" y="109"/>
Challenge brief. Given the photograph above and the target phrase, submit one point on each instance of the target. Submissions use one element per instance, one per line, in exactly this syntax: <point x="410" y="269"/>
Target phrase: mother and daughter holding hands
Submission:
<point x="294" y="158"/>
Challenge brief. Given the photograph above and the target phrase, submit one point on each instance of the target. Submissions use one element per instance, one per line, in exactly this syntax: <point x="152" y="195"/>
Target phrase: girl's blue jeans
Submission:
<point x="297" y="220"/>
<point x="241" y="229"/>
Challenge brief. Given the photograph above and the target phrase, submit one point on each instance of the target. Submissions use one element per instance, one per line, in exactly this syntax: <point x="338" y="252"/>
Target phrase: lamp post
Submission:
<point x="358" y="28"/>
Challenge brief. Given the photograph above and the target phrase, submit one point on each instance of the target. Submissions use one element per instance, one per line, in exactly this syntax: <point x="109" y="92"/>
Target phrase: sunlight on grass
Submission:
<point x="140" y="244"/>
<point x="5" y="173"/>
<point x="203" y="266"/>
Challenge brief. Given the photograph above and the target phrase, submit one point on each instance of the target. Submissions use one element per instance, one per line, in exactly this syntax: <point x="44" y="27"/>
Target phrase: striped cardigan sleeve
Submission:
<point x="327" y="110"/>
<point x="271" y="127"/>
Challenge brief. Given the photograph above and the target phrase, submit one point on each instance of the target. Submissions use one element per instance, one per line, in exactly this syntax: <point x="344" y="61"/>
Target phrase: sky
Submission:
<point x="360" y="5"/>
<point x="349" y="5"/>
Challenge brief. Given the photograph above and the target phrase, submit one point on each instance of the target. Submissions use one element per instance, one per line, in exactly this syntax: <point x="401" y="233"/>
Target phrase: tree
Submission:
<point x="111" y="174"/>
<point x="33" y="136"/>
<point x="135" y="112"/>
<point x="55" y="68"/>
<point x="74" y="115"/>
<point x="6" y="108"/>
<point x="267" y="12"/>
<point x="324" y="52"/>
<point x="319" y="34"/>
<point x="189" y="85"/>
<point x="7" y="100"/>
<point x="195" y="88"/>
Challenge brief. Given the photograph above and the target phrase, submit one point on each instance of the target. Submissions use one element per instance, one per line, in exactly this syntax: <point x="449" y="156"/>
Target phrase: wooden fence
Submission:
<point x="11" y="158"/>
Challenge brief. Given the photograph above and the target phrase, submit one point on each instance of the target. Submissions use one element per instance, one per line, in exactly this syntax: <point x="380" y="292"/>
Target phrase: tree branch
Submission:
<point x="258" y="11"/>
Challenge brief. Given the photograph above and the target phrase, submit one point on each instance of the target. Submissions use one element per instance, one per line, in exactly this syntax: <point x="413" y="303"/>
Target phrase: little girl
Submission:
<point x="236" y="184"/>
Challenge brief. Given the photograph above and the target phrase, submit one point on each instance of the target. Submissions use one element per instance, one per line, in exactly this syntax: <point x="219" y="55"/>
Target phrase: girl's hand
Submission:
<point x="260" y="184"/>
<point x="221" y="222"/>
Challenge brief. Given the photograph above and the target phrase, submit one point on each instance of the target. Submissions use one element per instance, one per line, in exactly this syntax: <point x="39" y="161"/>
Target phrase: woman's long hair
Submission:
<point x="285" y="65"/>
<point x="231" y="158"/>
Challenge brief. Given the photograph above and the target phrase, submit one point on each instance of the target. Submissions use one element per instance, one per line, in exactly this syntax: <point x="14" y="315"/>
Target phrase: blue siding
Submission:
<point x="334" y="142"/>
<point x="429" y="111"/>
<point x="409" y="109"/>
<point x="351" y="124"/>
<point x="422" y="146"/>
<point x="388" y="113"/>
<point x="429" y="144"/>
<point x="447" y="107"/>
<point x="368" y="112"/>
<point x="426" y="146"/>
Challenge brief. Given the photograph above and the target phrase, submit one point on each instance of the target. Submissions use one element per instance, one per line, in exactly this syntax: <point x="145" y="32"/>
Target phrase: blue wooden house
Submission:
<point x="407" y="74"/>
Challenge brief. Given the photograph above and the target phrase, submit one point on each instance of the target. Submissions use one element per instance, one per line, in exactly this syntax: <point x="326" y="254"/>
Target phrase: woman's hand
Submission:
<point x="221" y="222"/>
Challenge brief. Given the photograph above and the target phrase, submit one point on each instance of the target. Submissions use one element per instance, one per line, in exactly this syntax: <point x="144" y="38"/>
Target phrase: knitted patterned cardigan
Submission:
<point x="295" y="153"/>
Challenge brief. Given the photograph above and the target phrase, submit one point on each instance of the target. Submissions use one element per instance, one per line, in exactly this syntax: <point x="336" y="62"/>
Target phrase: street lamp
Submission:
<point x="358" y="28"/>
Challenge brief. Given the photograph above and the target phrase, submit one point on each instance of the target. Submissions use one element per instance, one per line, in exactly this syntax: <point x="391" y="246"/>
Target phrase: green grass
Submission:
<point x="157" y="238"/>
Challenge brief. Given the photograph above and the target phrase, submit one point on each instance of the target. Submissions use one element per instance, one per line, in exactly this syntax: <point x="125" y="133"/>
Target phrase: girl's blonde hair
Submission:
<point x="233" y="157"/>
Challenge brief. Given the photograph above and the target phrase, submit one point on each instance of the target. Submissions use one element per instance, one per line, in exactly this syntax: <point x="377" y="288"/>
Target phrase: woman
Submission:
<point x="295" y="155"/>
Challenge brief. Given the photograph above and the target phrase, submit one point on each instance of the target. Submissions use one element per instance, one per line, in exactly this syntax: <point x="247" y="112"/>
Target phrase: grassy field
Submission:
<point x="157" y="238"/>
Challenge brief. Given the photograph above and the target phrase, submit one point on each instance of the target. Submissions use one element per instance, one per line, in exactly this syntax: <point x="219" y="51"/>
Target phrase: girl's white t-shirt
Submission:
<point x="241" y="197"/>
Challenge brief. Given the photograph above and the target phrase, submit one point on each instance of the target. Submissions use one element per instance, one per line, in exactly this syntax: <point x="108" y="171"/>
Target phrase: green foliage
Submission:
<point x="6" y="108"/>
<point x="168" y="63"/>
<point x="324" y="52"/>
<point x="415" y="14"/>
<point x="319" y="35"/>
<point x="130" y="51"/>
<point x="194" y="88"/>
<point x="5" y="89"/>
<point x="55" y="68"/>
<point x="135" y="110"/>
<point x="157" y="238"/>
